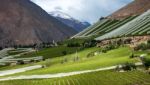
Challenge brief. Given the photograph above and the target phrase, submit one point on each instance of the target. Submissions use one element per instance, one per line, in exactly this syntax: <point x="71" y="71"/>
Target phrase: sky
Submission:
<point x="83" y="10"/>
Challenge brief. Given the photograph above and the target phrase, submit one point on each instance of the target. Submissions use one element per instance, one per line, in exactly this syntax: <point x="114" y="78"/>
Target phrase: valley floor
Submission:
<point x="94" y="78"/>
<point x="50" y="75"/>
<point x="94" y="69"/>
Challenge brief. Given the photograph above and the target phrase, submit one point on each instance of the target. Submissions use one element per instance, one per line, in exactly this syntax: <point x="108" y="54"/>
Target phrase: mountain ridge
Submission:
<point x="23" y="23"/>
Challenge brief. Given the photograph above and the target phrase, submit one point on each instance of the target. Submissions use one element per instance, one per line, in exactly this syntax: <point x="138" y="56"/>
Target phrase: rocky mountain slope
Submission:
<point x="23" y="23"/>
<point x="136" y="7"/>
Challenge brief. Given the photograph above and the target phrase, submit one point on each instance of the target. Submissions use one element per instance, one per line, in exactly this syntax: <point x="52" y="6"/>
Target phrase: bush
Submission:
<point x="64" y="60"/>
<point x="104" y="50"/>
<point x="64" y="52"/>
<point x="148" y="41"/>
<point x="20" y="62"/>
<point x="127" y="41"/>
<point x="128" y="66"/>
<point x="132" y="56"/>
<point x="109" y="47"/>
<point x="31" y="61"/>
<point x="90" y="55"/>
<point x="146" y="62"/>
<point x="89" y="43"/>
<point x="142" y="46"/>
<point x="73" y="45"/>
<point x="75" y="59"/>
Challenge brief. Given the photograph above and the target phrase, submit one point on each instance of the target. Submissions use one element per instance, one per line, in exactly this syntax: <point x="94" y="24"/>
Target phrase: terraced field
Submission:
<point x="138" y="26"/>
<point x="103" y="26"/>
<point x="111" y="58"/>
<point x="52" y="52"/>
<point x="96" y="78"/>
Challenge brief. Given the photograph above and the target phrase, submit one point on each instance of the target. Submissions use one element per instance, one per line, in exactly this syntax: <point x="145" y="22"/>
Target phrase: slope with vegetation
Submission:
<point x="138" y="26"/>
<point x="85" y="60"/>
<point x="137" y="7"/>
<point x="96" y="78"/>
<point x="103" y="26"/>
<point x="24" y="23"/>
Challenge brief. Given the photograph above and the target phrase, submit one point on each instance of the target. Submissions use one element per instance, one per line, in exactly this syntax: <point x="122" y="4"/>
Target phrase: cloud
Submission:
<point x="84" y="10"/>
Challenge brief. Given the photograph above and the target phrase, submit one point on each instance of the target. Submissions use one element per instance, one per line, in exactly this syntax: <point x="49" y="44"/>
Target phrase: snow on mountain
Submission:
<point x="60" y="14"/>
<point x="70" y="21"/>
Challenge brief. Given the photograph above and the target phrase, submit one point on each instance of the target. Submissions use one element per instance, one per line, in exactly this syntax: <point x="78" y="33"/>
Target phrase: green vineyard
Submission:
<point x="138" y="26"/>
<point x="103" y="26"/>
<point x="96" y="78"/>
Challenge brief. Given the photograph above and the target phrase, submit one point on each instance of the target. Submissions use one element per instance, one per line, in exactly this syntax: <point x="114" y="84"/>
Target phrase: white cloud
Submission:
<point x="85" y="10"/>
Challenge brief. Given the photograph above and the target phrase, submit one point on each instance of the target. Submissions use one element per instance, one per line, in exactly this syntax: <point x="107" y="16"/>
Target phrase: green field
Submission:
<point x="110" y="58"/>
<point x="113" y="57"/>
<point x="96" y="78"/>
<point x="52" y="52"/>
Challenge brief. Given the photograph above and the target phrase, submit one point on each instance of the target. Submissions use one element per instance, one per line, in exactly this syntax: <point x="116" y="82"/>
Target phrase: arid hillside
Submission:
<point x="136" y="7"/>
<point x="23" y="23"/>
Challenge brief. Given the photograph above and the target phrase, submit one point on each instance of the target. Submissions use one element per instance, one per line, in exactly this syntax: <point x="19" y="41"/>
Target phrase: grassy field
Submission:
<point x="114" y="57"/>
<point x="96" y="78"/>
<point x="52" y="52"/>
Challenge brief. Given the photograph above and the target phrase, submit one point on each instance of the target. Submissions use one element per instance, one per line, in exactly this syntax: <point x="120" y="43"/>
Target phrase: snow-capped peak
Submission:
<point x="85" y="23"/>
<point x="60" y="14"/>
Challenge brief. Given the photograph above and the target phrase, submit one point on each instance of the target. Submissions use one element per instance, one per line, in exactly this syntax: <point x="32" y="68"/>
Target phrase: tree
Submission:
<point x="1" y="48"/>
<point x="102" y="18"/>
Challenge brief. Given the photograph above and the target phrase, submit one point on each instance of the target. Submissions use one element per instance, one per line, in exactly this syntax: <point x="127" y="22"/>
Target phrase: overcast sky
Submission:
<point x="84" y="10"/>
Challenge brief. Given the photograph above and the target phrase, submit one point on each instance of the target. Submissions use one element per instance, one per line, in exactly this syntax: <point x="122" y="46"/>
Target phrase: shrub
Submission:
<point x="146" y="62"/>
<point x="141" y="46"/>
<point x="132" y="56"/>
<point x="148" y="41"/>
<point x="73" y="45"/>
<point x="20" y="62"/>
<point x="109" y="47"/>
<point x="64" y="60"/>
<point x="127" y="41"/>
<point x="89" y="43"/>
<point x="31" y="61"/>
<point x="75" y="59"/>
<point x="64" y="52"/>
<point x="90" y="54"/>
<point x="128" y="66"/>
<point x="104" y="50"/>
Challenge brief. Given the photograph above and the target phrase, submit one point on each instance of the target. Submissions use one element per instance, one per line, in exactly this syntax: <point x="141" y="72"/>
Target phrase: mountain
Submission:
<point x="24" y="23"/>
<point x="70" y="21"/>
<point x="117" y="20"/>
<point x="138" y="26"/>
<point x="136" y="7"/>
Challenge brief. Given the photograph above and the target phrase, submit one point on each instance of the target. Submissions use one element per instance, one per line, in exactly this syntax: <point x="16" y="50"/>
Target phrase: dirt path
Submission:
<point x="57" y="75"/>
<point x="14" y="71"/>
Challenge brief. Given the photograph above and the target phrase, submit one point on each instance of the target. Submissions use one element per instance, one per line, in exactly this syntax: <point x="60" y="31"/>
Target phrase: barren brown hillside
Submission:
<point x="135" y="8"/>
<point x="23" y="23"/>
